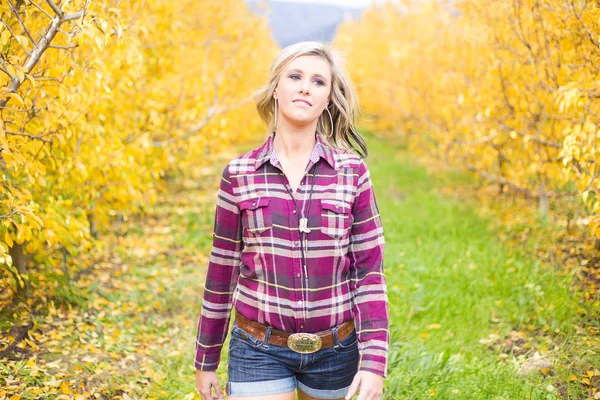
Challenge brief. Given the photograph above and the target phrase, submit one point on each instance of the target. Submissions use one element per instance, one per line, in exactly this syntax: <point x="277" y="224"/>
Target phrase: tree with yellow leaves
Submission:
<point x="101" y="100"/>
<point x="507" y="90"/>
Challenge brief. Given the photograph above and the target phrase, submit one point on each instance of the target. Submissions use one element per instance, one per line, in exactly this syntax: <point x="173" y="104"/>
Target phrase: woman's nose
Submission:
<point x="304" y="86"/>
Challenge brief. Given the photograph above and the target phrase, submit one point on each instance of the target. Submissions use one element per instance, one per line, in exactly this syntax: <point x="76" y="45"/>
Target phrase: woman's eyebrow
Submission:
<point x="297" y="70"/>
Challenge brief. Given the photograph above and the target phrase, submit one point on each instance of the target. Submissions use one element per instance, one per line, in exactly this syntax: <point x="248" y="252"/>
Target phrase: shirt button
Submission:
<point x="298" y="274"/>
<point x="294" y="211"/>
<point x="299" y="302"/>
<point x="295" y="243"/>
<point x="254" y="203"/>
<point x="301" y="326"/>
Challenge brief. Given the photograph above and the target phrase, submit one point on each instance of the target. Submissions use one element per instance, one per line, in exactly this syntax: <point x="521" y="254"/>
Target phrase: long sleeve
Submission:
<point x="221" y="279"/>
<point x="368" y="283"/>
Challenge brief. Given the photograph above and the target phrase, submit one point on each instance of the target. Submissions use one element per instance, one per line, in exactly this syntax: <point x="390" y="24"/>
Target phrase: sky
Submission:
<point x="345" y="3"/>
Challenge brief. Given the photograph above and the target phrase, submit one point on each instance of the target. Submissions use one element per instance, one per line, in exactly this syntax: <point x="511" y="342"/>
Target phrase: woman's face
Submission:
<point x="303" y="90"/>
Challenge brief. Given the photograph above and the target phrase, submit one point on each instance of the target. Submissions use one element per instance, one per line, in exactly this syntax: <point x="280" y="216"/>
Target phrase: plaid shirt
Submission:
<point x="256" y="264"/>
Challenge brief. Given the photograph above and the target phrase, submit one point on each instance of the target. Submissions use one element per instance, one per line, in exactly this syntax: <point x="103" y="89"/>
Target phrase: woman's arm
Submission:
<point x="367" y="279"/>
<point x="221" y="279"/>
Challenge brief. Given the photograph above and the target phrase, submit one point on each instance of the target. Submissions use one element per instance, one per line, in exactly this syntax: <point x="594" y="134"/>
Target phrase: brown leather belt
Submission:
<point x="299" y="342"/>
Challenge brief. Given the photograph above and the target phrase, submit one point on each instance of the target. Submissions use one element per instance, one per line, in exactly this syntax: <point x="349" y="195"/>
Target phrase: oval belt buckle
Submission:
<point x="304" y="343"/>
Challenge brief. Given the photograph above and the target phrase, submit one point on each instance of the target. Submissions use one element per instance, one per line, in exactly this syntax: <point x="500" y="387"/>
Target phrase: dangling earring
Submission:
<point x="331" y="119"/>
<point x="322" y="124"/>
<point x="275" y="114"/>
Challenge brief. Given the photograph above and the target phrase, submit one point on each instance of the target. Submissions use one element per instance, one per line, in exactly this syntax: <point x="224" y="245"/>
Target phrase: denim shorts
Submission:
<point x="258" y="368"/>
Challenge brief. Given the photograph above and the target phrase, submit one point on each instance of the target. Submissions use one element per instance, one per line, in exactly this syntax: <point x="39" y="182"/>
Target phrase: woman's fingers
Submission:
<point x="219" y="392"/>
<point x="354" y="386"/>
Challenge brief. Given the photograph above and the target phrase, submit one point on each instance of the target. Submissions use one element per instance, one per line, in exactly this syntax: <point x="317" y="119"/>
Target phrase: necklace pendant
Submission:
<point x="304" y="225"/>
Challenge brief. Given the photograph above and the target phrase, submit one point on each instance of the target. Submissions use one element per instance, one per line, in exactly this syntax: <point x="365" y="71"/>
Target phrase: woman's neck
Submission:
<point x="293" y="143"/>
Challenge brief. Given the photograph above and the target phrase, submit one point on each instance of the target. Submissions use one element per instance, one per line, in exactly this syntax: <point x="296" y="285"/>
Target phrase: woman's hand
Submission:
<point x="205" y="381"/>
<point x="370" y="384"/>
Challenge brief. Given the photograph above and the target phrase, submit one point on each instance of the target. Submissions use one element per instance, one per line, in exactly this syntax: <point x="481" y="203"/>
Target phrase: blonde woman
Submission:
<point x="298" y="248"/>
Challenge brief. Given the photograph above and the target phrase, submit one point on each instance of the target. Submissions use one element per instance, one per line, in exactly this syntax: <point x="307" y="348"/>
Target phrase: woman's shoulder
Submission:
<point x="346" y="158"/>
<point x="243" y="163"/>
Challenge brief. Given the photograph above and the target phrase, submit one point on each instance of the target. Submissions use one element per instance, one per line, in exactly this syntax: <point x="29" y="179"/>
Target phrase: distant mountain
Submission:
<point x="296" y="22"/>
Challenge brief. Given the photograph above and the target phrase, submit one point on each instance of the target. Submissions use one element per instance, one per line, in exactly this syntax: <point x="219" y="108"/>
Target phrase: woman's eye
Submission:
<point x="317" y="81"/>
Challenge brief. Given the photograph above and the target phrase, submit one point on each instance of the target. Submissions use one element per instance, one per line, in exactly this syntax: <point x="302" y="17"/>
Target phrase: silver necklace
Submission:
<point x="303" y="220"/>
<point x="303" y="223"/>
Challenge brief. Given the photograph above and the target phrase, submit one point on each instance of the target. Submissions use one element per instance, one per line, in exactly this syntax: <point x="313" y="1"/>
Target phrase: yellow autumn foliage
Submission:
<point x="99" y="101"/>
<point x="508" y="90"/>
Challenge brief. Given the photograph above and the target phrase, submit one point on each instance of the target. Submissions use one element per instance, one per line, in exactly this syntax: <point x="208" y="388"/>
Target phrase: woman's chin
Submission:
<point x="301" y="118"/>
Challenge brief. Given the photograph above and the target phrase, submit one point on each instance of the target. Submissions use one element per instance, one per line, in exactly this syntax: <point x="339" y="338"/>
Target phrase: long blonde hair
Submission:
<point x="344" y="106"/>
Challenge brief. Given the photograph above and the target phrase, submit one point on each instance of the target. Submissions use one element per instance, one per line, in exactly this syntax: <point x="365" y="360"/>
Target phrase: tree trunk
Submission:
<point x="93" y="228"/>
<point x="501" y="185"/>
<point x="18" y="259"/>
<point x="64" y="263"/>
<point x="543" y="204"/>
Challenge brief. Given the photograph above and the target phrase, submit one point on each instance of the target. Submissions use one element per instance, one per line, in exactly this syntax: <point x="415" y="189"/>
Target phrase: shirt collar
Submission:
<point x="266" y="152"/>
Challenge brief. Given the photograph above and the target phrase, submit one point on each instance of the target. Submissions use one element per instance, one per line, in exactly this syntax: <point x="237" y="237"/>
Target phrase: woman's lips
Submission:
<point x="302" y="103"/>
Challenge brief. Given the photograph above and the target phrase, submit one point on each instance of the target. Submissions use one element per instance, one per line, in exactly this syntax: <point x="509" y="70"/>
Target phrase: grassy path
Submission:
<point x="467" y="312"/>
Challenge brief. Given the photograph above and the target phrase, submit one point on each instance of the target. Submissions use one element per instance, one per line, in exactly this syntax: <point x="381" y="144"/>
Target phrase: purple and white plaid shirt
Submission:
<point x="256" y="264"/>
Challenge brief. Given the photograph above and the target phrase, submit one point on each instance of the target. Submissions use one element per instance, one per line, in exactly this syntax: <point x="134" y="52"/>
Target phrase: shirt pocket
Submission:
<point x="256" y="215"/>
<point x="336" y="218"/>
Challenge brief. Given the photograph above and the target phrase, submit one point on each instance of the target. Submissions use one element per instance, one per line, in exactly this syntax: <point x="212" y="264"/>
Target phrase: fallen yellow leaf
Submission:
<point x="53" y="382"/>
<point x="585" y="380"/>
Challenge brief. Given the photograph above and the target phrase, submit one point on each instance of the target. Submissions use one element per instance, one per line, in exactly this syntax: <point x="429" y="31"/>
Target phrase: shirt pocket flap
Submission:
<point x="335" y="206"/>
<point x="254" y="203"/>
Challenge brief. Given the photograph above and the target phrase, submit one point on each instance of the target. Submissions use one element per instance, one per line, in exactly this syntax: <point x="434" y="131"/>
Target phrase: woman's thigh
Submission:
<point x="304" y="396"/>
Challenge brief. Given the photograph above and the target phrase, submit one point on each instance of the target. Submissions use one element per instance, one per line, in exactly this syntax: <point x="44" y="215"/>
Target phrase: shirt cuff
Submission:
<point x="374" y="363"/>
<point x="207" y="361"/>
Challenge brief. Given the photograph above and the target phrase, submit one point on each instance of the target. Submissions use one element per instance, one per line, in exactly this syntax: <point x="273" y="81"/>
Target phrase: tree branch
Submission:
<point x="16" y="12"/>
<point x="29" y="136"/>
<point x="62" y="47"/>
<point x="43" y="44"/>
<point x="55" y="8"/>
<point x="41" y="9"/>
<point x="14" y="36"/>
<point x="18" y="339"/>
<point x="531" y="137"/>
<point x="10" y="214"/>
